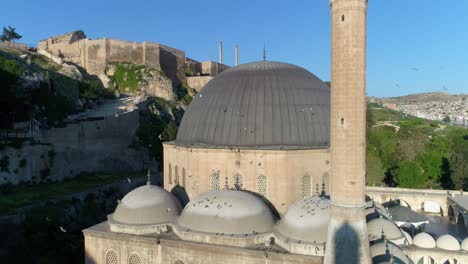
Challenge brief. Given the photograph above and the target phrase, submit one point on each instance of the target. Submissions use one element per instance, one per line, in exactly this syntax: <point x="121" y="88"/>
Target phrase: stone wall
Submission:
<point x="94" y="55"/>
<point x="198" y="82"/>
<point x="67" y="46"/>
<point x="156" y="250"/>
<point x="90" y="146"/>
<point x="285" y="170"/>
<point x="14" y="45"/>
<point x="212" y="68"/>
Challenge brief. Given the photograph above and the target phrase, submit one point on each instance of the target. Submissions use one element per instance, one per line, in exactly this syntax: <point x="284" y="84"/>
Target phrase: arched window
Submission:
<point x="170" y="173"/>
<point x="176" y="181"/>
<point x="262" y="185"/>
<point x="178" y="262"/>
<point x="214" y="180"/>
<point x="111" y="257"/>
<point x="134" y="259"/>
<point x="183" y="177"/>
<point x="238" y="181"/>
<point x="306" y="185"/>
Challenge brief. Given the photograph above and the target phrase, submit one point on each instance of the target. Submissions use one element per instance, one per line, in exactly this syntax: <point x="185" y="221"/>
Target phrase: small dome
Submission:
<point x="424" y="240"/>
<point x="227" y="212"/>
<point x="147" y="204"/>
<point x="408" y="237"/>
<point x="464" y="244"/>
<point x="307" y="220"/>
<point x="382" y="251"/>
<point x="377" y="226"/>
<point x="448" y="242"/>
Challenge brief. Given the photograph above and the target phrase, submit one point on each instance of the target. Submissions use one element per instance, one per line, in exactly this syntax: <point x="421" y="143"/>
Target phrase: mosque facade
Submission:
<point x="268" y="166"/>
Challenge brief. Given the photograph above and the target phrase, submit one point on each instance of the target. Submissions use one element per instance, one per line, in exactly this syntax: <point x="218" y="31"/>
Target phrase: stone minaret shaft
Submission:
<point x="237" y="55"/>
<point x="220" y="52"/>
<point x="347" y="233"/>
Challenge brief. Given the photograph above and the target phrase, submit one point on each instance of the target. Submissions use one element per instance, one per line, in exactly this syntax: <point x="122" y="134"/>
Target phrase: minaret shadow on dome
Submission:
<point x="347" y="231"/>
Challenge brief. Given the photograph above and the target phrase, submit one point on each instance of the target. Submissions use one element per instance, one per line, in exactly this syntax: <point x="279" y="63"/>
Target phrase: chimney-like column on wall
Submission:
<point x="221" y="51"/>
<point x="237" y="55"/>
<point x="347" y="231"/>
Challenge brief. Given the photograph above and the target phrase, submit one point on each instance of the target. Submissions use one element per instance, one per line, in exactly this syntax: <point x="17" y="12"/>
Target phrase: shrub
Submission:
<point x="22" y="163"/>
<point x="5" y="164"/>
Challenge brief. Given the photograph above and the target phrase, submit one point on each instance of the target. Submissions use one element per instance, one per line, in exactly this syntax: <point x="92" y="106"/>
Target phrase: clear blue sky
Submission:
<point x="413" y="45"/>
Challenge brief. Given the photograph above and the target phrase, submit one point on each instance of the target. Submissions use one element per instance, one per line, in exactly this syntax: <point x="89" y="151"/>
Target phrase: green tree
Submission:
<point x="408" y="175"/>
<point x="9" y="34"/>
<point x="446" y="119"/>
<point x="459" y="161"/>
<point x="432" y="162"/>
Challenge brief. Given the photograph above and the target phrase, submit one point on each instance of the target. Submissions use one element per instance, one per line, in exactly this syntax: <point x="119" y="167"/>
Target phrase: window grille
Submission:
<point x="111" y="257"/>
<point x="326" y="182"/>
<point x="134" y="259"/>
<point x="306" y="185"/>
<point x="215" y="180"/>
<point x="262" y="185"/>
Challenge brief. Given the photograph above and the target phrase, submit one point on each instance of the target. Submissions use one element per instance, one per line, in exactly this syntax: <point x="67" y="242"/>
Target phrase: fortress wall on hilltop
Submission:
<point x="94" y="55"/>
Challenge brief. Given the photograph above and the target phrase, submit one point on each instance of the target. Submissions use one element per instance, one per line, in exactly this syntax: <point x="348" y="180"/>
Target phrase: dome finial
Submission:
<point x="149" y="177"/>
<point x="264" y="53"/>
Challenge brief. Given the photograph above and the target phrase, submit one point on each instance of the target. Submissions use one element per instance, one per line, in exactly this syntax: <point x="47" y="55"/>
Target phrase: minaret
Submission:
<point x="347" y="232"/>
<point x="221" y="52"/>
<point x="237" y="55"/>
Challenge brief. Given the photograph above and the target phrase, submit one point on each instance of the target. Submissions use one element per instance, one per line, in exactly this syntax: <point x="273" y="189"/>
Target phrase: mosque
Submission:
<point x="268" y="167"/>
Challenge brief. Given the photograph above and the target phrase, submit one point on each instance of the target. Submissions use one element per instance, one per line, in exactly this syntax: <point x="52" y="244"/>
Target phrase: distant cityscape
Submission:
<point x="432" y="106"/>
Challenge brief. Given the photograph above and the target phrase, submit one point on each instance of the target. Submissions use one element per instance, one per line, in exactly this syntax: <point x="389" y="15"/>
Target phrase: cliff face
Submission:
<point x="140" y="79"/>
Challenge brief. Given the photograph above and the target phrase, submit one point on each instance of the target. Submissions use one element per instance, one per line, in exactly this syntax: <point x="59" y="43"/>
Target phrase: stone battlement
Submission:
<point x="95" y="55"/>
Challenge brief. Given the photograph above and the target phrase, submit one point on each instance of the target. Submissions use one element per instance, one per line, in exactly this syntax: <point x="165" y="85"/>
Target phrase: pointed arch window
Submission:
<point x="170" y="173"/>
<point x="183" y="177"/>
<point x="176" y="181"/>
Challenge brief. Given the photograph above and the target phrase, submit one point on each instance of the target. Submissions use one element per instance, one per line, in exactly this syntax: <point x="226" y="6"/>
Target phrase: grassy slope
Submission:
<point x="14" y="197"/>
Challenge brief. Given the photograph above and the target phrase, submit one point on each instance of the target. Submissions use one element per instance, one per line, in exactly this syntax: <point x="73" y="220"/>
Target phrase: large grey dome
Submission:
<point x="266" y="105"/>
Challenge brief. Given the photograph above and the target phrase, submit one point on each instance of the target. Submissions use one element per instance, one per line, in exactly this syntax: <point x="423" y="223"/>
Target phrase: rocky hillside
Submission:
<point x="83" y="126"/>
